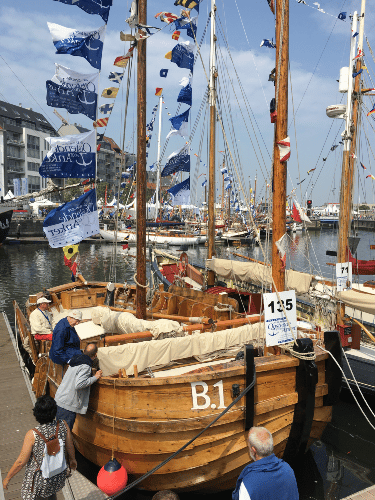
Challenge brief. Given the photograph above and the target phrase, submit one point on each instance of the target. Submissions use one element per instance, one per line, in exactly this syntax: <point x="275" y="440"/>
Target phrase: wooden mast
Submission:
<point x="211" y="175"/>
<point x="349" y="139"/>
<point x="141" y="166"/>
<point x="281" y="132"/>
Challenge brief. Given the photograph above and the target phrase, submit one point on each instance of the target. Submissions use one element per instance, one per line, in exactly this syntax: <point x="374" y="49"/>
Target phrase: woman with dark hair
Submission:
<point x="34" y="485"/>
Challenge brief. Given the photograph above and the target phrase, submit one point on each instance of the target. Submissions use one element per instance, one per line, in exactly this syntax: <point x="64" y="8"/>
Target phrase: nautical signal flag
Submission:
<point x="362" y="165"/>
<point x="358" y="73"/>
<point x="106" y="108"/>
<point x="311" y="170"/>
<point x="116" y="77"/>
<point x="268" y="43"/>
<point x="176" y="35"/>
<point x="168" y="55"/>
<point x="101" y="122"/>
<point x="92" y="7"/>
<point x="188" y="4"/>
<point x="342" y="16"/>
<point x="70" y="251"/>
<point x="158" y="91"/>
<point x="371" y="112"/>
<point x="284" y="148"/>
<point x="271" y="5"/>
<point x="164" y="73"/>
<point x="122" y="61"/>
<point x="167" y="17"/>
<point x="371" y="176"/>
<point x="110" y="92"/>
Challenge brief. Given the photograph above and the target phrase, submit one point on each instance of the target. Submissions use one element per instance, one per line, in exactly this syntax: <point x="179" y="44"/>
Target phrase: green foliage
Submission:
<point x="364" y="207"/>
<point x="70" y="194"/>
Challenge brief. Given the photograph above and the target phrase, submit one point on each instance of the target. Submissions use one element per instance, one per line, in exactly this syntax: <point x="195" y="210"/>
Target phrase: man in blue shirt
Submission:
<point x="65" y="341"/>
<point x="267" y="477"/>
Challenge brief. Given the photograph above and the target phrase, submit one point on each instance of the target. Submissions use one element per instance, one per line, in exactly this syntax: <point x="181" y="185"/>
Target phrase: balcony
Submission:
<point x="12" y="156"/>
<point x="16" y="169"/>
<point x="13" y="142"/>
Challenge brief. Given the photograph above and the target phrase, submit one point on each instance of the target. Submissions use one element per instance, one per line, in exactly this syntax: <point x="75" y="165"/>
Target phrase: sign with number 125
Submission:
<point x="277" y="328"/>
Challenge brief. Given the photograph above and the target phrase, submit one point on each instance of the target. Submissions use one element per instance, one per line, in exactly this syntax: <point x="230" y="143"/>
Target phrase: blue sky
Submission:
<point x="319" y="47"/>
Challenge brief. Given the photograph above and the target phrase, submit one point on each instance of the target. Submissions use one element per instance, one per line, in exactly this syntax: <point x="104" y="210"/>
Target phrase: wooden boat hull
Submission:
<point x="146" y="420"/>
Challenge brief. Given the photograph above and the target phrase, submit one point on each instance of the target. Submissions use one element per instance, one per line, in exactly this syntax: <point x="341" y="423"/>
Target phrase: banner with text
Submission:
<point x="277" y="328"/>
<point x="72" y="222"/>
<point x="70" y="156"/>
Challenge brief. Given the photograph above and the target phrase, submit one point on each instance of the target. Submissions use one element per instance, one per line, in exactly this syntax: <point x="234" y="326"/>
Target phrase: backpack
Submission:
<point x="54" y="461"/>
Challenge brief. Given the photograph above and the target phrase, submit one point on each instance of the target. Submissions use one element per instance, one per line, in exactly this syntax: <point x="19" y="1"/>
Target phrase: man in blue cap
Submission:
<point x="267" y="477"/>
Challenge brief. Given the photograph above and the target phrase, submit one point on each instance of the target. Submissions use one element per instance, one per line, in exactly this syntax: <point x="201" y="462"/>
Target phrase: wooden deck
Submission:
<point x="16" y="418"/>
<point x="367" y="494"/>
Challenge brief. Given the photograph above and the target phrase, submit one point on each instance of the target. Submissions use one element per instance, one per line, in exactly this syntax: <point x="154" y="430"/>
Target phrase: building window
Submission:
<point x="14" y="151"/>
<point x="33" y="183"/>
<point x="33" y="150"/>
<point x="33" y="166"/>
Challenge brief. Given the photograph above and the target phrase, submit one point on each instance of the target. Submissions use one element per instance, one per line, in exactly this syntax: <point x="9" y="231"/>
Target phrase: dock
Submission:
<point x="16" y="418"/>
<point x="367" y="494"/>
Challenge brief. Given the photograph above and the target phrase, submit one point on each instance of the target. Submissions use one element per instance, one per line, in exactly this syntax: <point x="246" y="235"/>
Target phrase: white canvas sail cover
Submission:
<point x="355" y="299"/>
<point x="161" y="352"/>
<point x="258" y="274"/>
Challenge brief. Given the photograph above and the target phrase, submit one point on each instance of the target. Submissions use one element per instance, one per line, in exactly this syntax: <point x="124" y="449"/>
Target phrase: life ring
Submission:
<point x="184" y="261"/>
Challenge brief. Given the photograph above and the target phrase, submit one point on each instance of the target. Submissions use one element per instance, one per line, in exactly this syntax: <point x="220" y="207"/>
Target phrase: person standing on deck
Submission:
<point x="41" y="320"/>
<point x="72" y="395"/>
<point x="267" y="477"/>
<point x="65" y="341"/>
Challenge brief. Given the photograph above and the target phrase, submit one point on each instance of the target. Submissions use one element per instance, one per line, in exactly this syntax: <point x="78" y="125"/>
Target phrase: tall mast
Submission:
<point x="349" y="139"/>
<point x="158" y="162"/>
<point x="141" y="166"/>
<point x="281" y="128"/>
<point x="211" y="174"/>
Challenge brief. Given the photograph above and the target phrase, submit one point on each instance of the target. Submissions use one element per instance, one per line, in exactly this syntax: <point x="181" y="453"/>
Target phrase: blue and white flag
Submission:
<point x="342" y="16"/>
<point x="24" y="186"/>
<point x="163" y="73"/>
<point x="186" y="93"/>
<point x="116" y="77"/>
<point x="106" y="108"/>
<point x="268" y="43"/>
<point x="87" y="44"/>
<point x="178" y="161"/>
<point x="228" y="178"/>
<point x="190" y="25"/>
<point x="70" y="156"/>
<point x="204" y="183"/>
<point x="224" y="170"/>
<point x="76" y="92"/>
<point x="183" y="55"/>
<point x="17" y="186"/>
<point x="100" y="7"/>
<point x="180" y="193"/>
<point x="228" y="186"/>
<point x="179" y="124"/>
<point x="72" y="222"/>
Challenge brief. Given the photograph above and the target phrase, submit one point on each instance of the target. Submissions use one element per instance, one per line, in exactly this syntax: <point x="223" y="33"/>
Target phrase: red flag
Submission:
<point x="101" y="122"/>
<point x="72" y="265"/>
<point x="125" y="247"/>
<point x="176" y="35"/>
<point x="158" y="91"/>
<point x="295" y="214"/>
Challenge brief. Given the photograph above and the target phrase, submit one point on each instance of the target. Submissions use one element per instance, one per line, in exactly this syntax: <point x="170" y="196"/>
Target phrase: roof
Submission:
<point x="19" y="113"/>
<point x="112" y="143"/>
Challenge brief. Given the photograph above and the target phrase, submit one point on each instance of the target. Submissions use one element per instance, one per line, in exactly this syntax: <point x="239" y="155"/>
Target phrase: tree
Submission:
<point x="364" y="207"/>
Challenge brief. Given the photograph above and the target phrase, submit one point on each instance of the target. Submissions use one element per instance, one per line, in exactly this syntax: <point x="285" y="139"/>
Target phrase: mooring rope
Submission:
<point x="171" y="457"/>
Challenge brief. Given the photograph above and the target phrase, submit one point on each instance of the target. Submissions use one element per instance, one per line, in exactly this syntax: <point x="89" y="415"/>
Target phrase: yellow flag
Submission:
<point x="168" y="55"/>
<point x="70" y="251"/>
<point x="110" y="92"/>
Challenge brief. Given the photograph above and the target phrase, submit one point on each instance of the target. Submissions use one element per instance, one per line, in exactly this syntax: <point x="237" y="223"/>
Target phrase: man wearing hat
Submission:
<point x="41" y="320"/>
<point x="65" y="341"/>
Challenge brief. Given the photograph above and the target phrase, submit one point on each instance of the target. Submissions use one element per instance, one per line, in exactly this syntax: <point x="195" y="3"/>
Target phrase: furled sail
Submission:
<point x="258" y="274"/>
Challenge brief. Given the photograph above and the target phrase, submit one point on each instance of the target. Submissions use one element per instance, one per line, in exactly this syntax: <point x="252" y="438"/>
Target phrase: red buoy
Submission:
<point x="112" y="477"/>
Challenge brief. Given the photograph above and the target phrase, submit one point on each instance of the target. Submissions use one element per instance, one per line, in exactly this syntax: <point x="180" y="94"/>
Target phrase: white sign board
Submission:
<point x="344" y="276"/>
<point x="277" y="328"/>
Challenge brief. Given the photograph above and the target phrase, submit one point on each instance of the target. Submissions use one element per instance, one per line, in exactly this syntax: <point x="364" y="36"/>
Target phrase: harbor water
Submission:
<point x="339" y="465"/>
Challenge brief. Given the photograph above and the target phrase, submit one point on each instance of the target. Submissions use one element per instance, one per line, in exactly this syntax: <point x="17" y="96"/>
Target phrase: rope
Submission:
<point x="114" y="416"/>
<point x="307" y="356"/>
<point x="171" y="457"/>
<point x="138" y="284"/>
<point x="347" y="381"/>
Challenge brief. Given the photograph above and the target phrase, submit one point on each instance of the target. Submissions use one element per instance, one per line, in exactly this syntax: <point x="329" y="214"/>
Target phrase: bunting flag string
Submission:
<point x="284" y="148"/>
<point x="190" y="25"/>
<point x="86" y="44"/>
<point x="178" y="161"/>
<point x="75" y="92"/>
<point x="341" y="15"/>
<point x="101" y="122"/>
<point x="92" y="6"/>
<point x="182" y="55"/>
<point x="180" y="193"/>
<point x="116" y="77"/>
<point x="110" y="92"/>
<point x="179" y="124"/>
<point x="167" y="17"/>
<point x="188" y="4"/>
<point x="185" y="95"/>
<point x="106" y="108"/>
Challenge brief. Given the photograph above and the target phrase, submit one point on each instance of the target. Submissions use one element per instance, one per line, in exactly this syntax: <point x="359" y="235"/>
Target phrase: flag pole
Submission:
<point x="141" y="167"/>
<point x="158" y="162"/>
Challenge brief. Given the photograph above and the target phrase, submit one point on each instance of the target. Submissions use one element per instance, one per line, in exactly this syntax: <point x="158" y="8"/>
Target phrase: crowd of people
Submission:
<point x="266" y="477"/>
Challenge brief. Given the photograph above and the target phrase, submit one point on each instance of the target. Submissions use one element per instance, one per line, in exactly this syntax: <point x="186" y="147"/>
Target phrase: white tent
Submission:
<point x="9" y="195"/>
